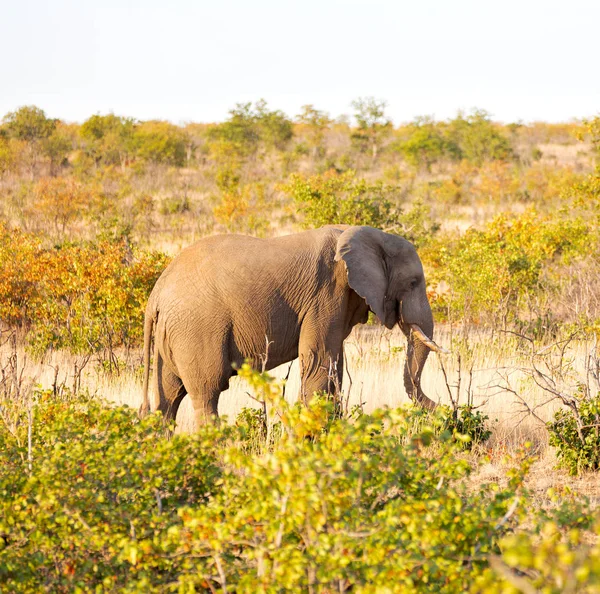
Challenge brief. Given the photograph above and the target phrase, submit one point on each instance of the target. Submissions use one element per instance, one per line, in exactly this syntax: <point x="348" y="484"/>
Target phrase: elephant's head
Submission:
<point x="386" y="271"/>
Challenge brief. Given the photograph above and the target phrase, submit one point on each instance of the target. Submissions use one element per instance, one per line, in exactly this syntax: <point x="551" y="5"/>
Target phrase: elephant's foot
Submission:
<point x="144" y="410"/>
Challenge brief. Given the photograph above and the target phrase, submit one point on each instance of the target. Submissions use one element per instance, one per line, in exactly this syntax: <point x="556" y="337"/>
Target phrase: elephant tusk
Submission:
<point x="426" y="340"/>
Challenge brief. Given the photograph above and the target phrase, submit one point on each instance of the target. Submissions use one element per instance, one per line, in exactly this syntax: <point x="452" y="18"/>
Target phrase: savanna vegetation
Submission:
<point x="497" y="491"/>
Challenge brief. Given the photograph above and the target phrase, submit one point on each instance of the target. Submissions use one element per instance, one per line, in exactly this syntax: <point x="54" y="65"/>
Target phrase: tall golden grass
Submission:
<point x="492" y="371"/>
<point x="489" y="370"/>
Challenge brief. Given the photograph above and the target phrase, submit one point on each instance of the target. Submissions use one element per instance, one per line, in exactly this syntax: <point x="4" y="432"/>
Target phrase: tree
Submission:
<point x="60" y="201"/>
<point x="373" y="125"/>
<point x="109" y="138"/>
<point x="30" y="125"/>
<point x="477" y="138"/>
<point x="7" y="155"/>
<point x="275" y="129"/>
<point x="314" y="122"/>
<point x="248" y="128"/>
<point x="591" y="130"/>
<point x="57" y="146"/>
<point x="239" y="132"/>
<point x="344" y="200"/>
<point x="425" y="143"/>
<point x="161" y="142"/>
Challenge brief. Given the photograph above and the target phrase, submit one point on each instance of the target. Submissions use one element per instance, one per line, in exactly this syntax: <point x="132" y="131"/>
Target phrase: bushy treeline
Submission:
<point x="94" y="499"/>
<point x="34" y="143"/>
<point x="508" y="234"/>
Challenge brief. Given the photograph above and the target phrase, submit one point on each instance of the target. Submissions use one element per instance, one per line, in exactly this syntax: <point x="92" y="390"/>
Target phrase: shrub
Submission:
<point x="333" y="199"/>
<point x="467" y="425"/>
<point x="87" y="298"/>
<point x="60" y="201"/>
<point x="494" y="271"/>
<point x="555" y="561"/>
<point x="243" y="208"/>
<point x="92" y="504"/>
<point x="575" y="433"/>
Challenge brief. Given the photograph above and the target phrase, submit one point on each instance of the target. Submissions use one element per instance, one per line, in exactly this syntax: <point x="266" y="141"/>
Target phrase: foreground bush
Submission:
<point x="103" y="501"/>
<point x="91" y="502"/>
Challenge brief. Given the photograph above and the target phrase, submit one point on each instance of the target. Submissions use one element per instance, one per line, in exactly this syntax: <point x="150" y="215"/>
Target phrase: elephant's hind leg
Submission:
<point x="169" y="390"/>
<point x="204" y="393"/>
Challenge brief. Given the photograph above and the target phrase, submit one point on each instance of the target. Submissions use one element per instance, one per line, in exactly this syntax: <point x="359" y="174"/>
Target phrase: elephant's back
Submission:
<point x="231" y="265"/>
<point x="211" y="255"/>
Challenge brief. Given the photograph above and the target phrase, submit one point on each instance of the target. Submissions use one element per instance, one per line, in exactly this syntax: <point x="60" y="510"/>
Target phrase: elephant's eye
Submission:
<point x="413" y="283"/>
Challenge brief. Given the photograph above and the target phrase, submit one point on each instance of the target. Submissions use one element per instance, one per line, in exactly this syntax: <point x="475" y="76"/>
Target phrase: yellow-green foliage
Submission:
<point x="575" y="433"/>
<point x="473" y="138"/>
<point x="101" y="501"/>
<point x="492" y="271"/>
<point x="160" y="142"/>
<point x="333" y="199"/>
<point x="555" y="561"/>
<point x="250" y="128"/>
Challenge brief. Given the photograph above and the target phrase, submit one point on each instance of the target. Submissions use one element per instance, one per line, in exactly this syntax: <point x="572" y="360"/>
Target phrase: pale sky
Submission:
<point x="193" y="60"/>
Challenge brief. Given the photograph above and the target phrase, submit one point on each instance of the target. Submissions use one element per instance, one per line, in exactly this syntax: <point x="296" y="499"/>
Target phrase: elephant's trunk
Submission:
<point x="420" y="342"/>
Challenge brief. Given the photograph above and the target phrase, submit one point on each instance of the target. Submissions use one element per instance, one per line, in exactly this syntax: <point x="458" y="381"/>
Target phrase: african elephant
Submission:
<point x="216" y="303"/>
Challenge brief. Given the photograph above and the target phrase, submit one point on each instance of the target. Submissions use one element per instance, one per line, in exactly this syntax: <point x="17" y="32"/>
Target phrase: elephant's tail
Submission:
<point x="149" y="321"/>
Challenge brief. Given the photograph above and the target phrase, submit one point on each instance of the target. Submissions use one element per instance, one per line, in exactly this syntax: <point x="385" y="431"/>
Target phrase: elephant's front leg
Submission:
<point x="321" y="359"/>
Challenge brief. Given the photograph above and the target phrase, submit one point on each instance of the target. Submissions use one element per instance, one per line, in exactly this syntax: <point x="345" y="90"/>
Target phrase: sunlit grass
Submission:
<point x="483" y="369"/>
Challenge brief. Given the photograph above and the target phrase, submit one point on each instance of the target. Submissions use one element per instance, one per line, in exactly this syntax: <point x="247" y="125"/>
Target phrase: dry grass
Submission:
<point x="483" y="369"/>
<point x="490" y="370"/>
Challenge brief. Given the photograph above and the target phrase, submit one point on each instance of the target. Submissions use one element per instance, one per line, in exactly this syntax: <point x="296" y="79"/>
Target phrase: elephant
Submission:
<point x="219" y="301"/>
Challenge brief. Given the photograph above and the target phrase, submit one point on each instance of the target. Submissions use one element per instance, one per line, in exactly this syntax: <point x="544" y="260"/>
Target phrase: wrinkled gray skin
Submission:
<point x="219" y="299"/>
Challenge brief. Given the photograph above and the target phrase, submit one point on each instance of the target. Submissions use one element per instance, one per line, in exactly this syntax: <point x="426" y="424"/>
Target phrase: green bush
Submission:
<point x="160" y="142"/>
<point x="477" y="138"/>
<point x="424" y="143"/>
<point x="103" y="501"/>
<point x="576" y="435"/>
<point x="333" y="199"/>
<point x="108" y="139"/>
<point x="553" y="562"/>
<point x="467" y="425"/>
<point x="92" y="503"/>
<point x="495" y="272"/>
<point x="253" y="424"/>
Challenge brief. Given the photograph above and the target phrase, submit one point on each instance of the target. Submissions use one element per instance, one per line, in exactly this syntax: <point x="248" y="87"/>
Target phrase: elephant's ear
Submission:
<point x="362" y="250"/>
